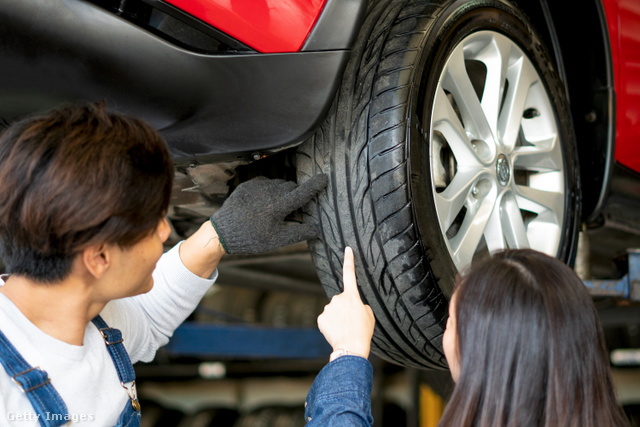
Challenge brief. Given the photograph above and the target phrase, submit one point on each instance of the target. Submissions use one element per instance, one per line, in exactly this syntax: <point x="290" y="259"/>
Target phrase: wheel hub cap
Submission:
<point x="503" y="171"/>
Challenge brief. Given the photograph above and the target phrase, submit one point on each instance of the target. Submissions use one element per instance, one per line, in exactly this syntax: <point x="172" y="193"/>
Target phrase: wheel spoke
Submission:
<point x="495" y="56"/>
<point x="457" y="82"/>
<point x="542" y="157"/>
<point x="494" y="234"/>
<point x="466" y="241"/>
<point x="446" y="121"/>
<point x="452" y="199"/>
<point x="506" y="229"/>
<point x="515" y="232"/>
<point x="549" y="205"/>
<point x="521" y="76"/>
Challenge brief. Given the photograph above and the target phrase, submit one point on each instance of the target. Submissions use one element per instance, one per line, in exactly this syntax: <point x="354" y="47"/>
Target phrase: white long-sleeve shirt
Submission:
<point x="85" y="376"/>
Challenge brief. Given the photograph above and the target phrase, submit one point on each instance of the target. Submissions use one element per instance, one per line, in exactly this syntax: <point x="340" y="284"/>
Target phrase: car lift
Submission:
<point x="247" y="342"/>
<point x="628" y="287"/>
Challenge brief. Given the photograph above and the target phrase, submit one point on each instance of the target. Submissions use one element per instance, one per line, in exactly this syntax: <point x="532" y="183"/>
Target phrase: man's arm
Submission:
<point x="202" y="252"/>
<point x="251" y="220"/>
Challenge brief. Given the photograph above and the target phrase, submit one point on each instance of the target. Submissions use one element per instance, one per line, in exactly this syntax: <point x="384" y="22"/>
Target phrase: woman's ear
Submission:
<point x="96" y="260"/>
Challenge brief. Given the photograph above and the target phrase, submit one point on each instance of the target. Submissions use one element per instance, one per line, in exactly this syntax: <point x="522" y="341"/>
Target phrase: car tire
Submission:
<point x="450" y="115"/>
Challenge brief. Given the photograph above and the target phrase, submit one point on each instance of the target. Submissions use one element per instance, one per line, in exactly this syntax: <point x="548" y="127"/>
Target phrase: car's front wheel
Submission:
<point x="450" y="139"/>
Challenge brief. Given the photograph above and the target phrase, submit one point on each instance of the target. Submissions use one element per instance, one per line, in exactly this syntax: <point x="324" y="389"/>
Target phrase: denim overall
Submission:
<point x="46" y="401"/>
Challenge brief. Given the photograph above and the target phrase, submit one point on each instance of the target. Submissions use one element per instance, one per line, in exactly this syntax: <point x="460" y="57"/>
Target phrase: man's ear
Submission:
<point x="96" y="260"/>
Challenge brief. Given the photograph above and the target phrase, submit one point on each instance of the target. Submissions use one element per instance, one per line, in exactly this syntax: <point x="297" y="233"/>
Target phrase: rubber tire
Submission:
<point x="379" y="199"/>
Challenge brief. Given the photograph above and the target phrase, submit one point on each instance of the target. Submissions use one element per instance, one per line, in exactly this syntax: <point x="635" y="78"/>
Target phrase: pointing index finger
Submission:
<point x="304" y="192"/>
<point x="349" y="272"/>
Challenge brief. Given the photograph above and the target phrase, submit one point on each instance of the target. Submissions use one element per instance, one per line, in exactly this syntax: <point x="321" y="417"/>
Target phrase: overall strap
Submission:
<point x="114" y="341"/>
<point x="35" y="383"/>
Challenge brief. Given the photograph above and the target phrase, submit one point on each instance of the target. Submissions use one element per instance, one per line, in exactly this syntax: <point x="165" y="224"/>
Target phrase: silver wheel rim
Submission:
<point x="497" y="172"/>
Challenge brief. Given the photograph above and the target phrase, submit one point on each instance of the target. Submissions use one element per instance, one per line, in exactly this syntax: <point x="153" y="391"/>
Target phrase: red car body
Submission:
<point x="268" y="26"/>
<point x="623" y="20"/>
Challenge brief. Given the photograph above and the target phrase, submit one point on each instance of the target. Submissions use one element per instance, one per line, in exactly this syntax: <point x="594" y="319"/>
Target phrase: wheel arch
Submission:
<point x="584" y="62"/>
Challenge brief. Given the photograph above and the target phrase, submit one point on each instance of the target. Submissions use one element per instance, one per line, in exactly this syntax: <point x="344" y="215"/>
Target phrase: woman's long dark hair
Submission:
<point x="531" y="349"/>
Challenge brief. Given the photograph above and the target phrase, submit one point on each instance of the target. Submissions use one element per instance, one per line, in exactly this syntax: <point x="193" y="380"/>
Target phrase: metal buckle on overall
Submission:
<point x="133" y="395"/>
<point x="106" y="340"/>
<point x="13" y="378"/>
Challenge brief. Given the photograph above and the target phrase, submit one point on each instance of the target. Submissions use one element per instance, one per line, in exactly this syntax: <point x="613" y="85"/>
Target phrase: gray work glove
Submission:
<point x="251" y="220"/>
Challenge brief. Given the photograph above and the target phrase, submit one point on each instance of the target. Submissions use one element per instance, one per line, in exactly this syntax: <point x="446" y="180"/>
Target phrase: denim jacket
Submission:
<point x="341" y="394"/>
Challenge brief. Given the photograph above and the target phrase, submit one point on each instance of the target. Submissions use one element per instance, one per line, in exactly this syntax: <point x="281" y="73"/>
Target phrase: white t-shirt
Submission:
<point x="85" y="376"/>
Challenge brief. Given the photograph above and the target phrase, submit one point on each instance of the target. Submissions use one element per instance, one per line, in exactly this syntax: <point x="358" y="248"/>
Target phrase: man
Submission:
<point x="83" y="195"/>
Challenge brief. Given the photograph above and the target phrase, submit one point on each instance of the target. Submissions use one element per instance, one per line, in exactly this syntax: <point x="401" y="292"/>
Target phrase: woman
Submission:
<point x="523" y="344"/>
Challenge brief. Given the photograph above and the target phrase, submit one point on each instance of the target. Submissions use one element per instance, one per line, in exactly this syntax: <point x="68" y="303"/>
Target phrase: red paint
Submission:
<point x="623" y="18"/>
<point x="267" y="26"/>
